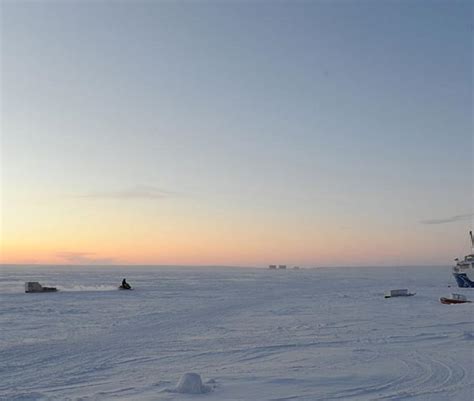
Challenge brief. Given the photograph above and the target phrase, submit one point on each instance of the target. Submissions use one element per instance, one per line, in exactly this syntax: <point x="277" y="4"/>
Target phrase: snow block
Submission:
<point x="191" y="383"/>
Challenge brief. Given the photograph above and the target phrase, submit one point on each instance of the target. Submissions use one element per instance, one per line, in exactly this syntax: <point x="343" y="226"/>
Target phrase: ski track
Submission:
<point x="292" y="335"/>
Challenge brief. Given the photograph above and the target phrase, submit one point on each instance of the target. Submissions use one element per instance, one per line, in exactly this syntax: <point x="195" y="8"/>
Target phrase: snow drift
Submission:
<point x="191" y="383"/>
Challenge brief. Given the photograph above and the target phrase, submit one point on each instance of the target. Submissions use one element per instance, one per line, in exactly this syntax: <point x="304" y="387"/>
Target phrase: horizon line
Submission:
<point x="221" y="266"/>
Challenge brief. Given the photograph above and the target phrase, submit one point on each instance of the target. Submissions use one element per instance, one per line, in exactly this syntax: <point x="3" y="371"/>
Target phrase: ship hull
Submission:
<point x="463" y="280"/>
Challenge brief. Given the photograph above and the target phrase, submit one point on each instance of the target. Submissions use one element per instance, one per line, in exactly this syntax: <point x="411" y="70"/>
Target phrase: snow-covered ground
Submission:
<point x="253" y="335"/>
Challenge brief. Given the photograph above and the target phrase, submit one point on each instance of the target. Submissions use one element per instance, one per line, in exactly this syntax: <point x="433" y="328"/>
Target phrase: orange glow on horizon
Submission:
<point x="252" y="250"/>
<point x="71" y="232"/>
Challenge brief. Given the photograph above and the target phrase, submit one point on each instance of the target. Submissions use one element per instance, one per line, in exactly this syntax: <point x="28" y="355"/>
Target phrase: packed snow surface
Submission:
<point x="257" y="335"/>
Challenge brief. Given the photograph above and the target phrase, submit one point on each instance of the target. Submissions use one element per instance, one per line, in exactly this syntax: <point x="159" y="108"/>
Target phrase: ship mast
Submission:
<point x="472" y="241"/>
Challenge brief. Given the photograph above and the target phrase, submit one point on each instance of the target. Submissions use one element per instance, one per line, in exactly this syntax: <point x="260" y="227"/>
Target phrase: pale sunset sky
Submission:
<point x="311" y="133"/>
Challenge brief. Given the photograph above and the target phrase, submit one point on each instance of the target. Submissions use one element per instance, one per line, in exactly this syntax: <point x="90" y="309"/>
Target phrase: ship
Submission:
<point x="463" y="271"/>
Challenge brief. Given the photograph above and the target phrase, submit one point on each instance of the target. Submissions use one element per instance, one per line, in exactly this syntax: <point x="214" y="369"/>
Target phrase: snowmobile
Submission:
<point x="125" y="285"/>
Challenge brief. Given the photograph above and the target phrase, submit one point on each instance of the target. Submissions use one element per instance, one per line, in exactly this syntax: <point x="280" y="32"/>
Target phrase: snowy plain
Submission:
<point x="252" y="334"/>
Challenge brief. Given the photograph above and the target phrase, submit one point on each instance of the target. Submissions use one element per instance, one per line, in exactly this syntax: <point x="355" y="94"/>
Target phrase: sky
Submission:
<point x="310" y="133"/>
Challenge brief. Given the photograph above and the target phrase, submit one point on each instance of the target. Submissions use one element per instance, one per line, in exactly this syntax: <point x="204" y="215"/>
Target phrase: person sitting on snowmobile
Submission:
<point x="125" y="285"/>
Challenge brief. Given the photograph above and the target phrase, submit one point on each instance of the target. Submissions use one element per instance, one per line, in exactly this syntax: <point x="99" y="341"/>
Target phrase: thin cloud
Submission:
<point x="137" y="192"/>
<point x="459" y="217"/>
<point x="84" y="258"/>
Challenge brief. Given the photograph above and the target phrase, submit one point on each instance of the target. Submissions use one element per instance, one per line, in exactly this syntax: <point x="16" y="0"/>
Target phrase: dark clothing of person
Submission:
<point x="125" y="285"/>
